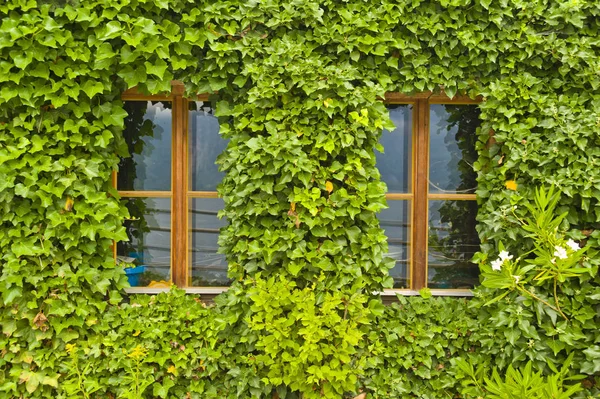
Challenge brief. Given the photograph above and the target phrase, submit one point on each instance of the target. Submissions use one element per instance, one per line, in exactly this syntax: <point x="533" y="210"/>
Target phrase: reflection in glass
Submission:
<point x="208" y="267"/>
<point x="395" y="164"/>
<point x="148" y="136"/>
<point x="452" y="148"/>
<point x="149" y="232"/>
<point x="453" y="241"/>
<point x="205" y="145"/>
<point x="395" y="221"/>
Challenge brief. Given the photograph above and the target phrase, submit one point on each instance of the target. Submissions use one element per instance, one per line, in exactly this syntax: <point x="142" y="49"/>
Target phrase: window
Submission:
<point x="428" y="168"/>
<point x="169" y="186"/>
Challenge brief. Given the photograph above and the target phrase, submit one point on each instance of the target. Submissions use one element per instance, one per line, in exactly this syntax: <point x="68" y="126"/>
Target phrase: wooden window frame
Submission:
<point x="180" y="193"/>
<point x="419" y="195"/>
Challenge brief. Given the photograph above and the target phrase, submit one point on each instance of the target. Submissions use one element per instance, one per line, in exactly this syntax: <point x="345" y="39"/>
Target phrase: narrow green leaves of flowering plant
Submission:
<point x="299" y="88"/>
<point x="553" y="257"/>
<point x="519" y="383"/>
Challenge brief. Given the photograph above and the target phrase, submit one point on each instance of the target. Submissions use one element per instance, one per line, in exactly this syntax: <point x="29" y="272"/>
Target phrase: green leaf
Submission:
<point x="11" y="294"/>
<point x="91" y="88"/>
<point x="51" y="381"/>
<point x="133" y="77"/>
<point x="33" y="381"/>
<point x="91" y="169"/>
<point x="157" y="68"/>
<point x="162" y="390"/>
<point x="109" y="31"/>
<point x="23" y="59"/>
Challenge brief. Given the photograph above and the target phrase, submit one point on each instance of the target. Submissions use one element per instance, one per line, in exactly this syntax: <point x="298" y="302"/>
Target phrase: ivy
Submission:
<point x="299" y="90"/>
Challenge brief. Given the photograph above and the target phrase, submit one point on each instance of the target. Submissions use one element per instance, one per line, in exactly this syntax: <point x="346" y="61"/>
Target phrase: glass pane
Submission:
<point x="149" y="245"/>
<point x="452" y="148"/>
<point x="452" y="243"/>
<point x="395" y="163"/>
<point x="208" y="267"/>
<point x="396" y="222"/>
<point x="205" y="145"/>
<point x="148" y="136"/>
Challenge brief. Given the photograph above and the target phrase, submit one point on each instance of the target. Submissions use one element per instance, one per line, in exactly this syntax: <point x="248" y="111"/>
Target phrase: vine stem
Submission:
<point x="542" y="301"/>
<point x="556" y="300"/>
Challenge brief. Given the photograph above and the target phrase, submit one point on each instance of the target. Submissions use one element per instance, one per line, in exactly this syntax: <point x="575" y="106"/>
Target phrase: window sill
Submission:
<point x="218" y="290"/>
<point x="434" y="292"/>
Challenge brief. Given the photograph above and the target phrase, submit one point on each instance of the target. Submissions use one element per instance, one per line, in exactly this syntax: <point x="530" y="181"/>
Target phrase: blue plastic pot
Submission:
<point x="134" y="274"/>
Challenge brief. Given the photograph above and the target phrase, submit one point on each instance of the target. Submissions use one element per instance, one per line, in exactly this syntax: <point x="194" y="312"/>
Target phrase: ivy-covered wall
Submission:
<point x="299" y="88"/>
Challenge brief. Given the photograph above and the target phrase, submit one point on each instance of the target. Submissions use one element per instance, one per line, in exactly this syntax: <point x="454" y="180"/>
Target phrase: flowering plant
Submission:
<point x="553" y="258"/>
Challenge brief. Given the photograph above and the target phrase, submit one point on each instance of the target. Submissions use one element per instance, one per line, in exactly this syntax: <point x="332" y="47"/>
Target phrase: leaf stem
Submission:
<point x="542" y="301"/>
<point x="556" y="300"/>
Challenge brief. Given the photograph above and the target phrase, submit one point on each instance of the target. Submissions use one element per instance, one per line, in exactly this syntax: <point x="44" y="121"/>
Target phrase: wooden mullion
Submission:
<point x="399" y="196"/>
<point x="420" y="214"/>
<point x="179" y="211"/>
<point x="203" y="194"/>
<point x="187" y="261"/>
<point x="144" y="194"/>
<point x="452" y="197"/>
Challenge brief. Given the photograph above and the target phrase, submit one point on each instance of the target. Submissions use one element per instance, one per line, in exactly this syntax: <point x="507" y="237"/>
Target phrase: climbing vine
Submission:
<point x="298" y="88"/>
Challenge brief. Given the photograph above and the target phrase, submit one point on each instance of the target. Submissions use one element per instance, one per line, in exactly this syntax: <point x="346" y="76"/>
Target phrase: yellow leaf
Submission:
<point x="172" y="369"/>
<point x="329" y="186"/>
<point x="511" y="185"/>
<point x="91" y="322"/>
<point x="293" y="207"/>
<point x="327" y="102"/>
<point x="69" y="204"/>
<point x="138" y="332"/>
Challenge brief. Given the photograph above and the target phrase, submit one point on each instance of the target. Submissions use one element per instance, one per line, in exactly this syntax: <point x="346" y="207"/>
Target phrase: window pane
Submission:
<point x="395" y="163"/>
<point x="208" y="267"/>
<point x="149" y="245"/>
<point x="396" y="222"/>
<point x="452" y="148"/>
<point x="452" y="243"/>
<point x="205" y="145"/>
<point x="148" y="136"/>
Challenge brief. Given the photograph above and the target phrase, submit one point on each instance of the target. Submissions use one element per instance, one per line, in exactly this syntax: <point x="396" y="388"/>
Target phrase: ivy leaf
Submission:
<point x="157" y="68"/>
<point x="31" y="379"/>
<point x="91" y="88"/>
<point x="11" y="294"/>
<point x="164" y="4"/>
<point x="329" y="186"/>
<point x="110" y="31"/>
<point x="511" y="185"/>
<point x="91" y="169"/>
<point x="131" y="76"/>
<point x="450" y="91"/>
<point x="162" y="390"/>
<point x="21" y="60"/>
<point x="69" y="202"/>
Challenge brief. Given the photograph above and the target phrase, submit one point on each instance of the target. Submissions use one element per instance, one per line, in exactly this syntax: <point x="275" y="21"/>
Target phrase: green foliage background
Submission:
<point x="300" y="87"/>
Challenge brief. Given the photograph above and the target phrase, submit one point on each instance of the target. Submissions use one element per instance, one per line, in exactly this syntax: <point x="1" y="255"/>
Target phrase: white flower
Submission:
<point x="573" y="245"/>
<point x="560" y="253"/>
<point x="497" y="264"/>
<point x="517" y="278"/>
<point x="503" y="255"/>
